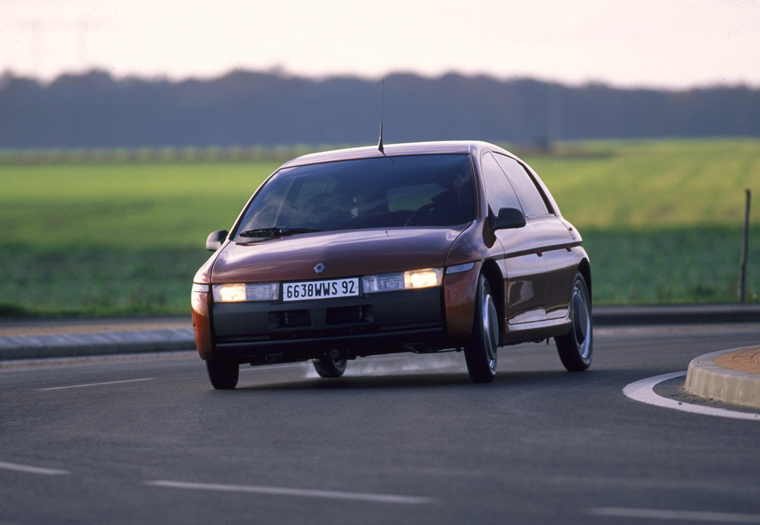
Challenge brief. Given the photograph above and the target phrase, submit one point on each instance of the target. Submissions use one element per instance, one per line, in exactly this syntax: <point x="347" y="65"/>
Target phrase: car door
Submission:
<point x="522" y="260"/>
<point x="552" y="236"/>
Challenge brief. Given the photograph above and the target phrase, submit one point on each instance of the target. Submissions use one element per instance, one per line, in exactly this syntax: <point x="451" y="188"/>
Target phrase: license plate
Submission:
<point x="320" y="289"/>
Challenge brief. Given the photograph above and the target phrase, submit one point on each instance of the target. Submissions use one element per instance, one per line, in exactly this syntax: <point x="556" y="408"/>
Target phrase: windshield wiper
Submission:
<point x="276" y="231"/>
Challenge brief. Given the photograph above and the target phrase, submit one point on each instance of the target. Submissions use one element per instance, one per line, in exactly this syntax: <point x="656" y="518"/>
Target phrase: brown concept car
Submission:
<point x="418" y="247"/>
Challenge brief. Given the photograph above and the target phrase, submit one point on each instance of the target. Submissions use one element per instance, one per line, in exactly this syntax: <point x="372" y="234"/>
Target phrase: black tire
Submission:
<point x="223" y="373"/>
<point x="576" y="348"/>
<point x="481" y="351"/>
<point x="328" y="367"/>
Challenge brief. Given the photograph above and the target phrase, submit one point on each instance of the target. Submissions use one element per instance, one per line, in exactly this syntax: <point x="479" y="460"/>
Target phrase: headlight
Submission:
<point x="240" y="292"/>
<point x="388" y="282"/>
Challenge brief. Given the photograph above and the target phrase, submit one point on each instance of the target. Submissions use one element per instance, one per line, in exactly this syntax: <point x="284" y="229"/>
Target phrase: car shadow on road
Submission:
<point x="417" y="380"/>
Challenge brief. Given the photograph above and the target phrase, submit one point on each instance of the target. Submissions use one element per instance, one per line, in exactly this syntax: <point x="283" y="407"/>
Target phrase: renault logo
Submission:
<point x="319" y="268"/>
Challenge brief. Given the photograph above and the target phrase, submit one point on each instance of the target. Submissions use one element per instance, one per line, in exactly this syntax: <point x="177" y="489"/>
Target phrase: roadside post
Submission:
<point x="745" y="249"/>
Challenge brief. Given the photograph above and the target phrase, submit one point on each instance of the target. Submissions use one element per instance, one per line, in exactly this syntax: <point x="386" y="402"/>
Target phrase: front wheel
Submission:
<point x="481" y="351"/>
<point x="328" y="367"/>
<point x="575" y="348"/>
<point x="223" y="373"/>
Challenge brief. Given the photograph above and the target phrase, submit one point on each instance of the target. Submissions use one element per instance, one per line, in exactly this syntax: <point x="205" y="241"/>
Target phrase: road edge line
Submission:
<point x="643" y="391"/>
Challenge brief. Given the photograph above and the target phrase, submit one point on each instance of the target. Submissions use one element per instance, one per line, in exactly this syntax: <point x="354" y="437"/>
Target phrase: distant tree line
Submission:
<point x="243" y="108"/>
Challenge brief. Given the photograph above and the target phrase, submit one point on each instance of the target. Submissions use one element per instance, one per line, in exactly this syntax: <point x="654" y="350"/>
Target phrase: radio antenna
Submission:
<point x="380" y="142"/>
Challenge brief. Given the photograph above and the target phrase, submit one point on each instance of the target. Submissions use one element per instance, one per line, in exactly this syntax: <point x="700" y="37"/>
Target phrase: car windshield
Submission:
<point x="382" y="192"/>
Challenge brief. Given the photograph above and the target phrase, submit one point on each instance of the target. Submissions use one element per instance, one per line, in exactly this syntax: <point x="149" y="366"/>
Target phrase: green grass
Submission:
<point x="661" y="221"/>
<point x="97" y="281"/>
<point x="654" y="184"/>
<point x="122" y="206"/>
<point x="677" y="265"/>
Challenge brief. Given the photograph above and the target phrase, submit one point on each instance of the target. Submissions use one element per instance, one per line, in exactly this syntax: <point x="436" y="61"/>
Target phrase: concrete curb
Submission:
<point x="705" y="378"/>
<point x="676" y="314"/>
<point x="98" y="343"/>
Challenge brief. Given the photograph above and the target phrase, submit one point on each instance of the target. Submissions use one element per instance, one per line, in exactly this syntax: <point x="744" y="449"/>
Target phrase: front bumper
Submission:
<point x="260" y="333"/>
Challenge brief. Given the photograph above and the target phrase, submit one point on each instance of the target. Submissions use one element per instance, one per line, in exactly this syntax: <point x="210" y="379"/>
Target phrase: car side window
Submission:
<point x="533" y="203"/>
<point x="499" y="191"/>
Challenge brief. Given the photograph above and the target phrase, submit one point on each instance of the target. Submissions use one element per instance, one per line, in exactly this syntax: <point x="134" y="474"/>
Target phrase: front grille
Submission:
<point x="348" y="314"/>
<point x="291" y="319"/>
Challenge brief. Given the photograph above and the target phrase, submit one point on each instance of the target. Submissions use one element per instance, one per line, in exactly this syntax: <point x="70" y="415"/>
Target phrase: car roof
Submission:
<point x="394" y="150"/>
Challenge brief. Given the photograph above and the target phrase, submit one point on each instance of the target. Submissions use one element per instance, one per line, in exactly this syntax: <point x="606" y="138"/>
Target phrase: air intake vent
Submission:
<point x="293" y="318"/>
<point x="348" y="314"/>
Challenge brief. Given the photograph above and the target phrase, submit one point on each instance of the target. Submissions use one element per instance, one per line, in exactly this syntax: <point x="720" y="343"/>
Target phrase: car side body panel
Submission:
<point x="525" y="280"/>
<point x="458" y="289"/>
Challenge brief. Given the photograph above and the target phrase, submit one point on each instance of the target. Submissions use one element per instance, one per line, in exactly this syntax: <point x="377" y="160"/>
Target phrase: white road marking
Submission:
<point x="32" y="470"/>
<point x="96" y="384"/>
<point x="643" y="391"/>
<point x="281" y="491"/>
<point x="679" y="515"/>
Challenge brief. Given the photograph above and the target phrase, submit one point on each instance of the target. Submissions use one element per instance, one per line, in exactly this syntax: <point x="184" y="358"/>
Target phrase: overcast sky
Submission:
<point x="651" y="43"/>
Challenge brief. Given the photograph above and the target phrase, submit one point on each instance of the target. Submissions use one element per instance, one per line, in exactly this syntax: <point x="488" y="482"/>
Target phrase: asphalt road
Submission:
<point x="401" y="439"/>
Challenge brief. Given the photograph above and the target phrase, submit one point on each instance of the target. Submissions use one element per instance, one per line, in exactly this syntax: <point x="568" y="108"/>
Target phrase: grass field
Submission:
<point x="661" y="221"/>
<point x="650" y="185"/>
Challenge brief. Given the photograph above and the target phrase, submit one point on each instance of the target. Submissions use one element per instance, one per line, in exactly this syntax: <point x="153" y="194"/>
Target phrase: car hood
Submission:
<point x="343" y="254"/>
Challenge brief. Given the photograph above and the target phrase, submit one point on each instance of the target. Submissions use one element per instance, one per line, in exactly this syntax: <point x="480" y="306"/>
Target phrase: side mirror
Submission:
<point x="508" y="218"/>
<point x="215" y="239"/>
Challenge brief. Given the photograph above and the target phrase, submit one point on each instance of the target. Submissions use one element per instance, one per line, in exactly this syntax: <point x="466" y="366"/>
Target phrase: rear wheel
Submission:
<point x="328" y="367"/>
<point x="223" y="373"/>
<point x="481" y="352"/>
<point x="575" y="348"/>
